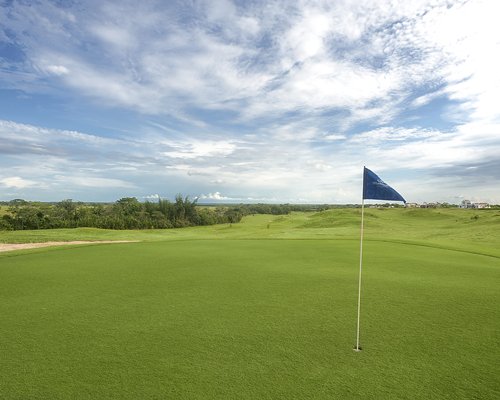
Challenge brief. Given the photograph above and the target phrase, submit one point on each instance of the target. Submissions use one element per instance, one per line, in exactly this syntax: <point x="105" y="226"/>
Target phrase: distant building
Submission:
<point x="469" y="204"/>
<point x="466" y="204"/>
<point x="412" y="205"/>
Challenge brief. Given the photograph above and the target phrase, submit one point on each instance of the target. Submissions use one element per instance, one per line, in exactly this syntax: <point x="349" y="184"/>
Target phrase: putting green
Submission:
<point x="252" y="319"/>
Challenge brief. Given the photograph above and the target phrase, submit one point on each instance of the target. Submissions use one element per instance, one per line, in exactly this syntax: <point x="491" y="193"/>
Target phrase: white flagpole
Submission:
<point x="357" y="348"/>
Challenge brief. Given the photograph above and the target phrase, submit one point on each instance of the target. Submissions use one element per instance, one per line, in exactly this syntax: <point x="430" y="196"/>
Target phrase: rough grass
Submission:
<point x="227" y="312"/>
<point x="469" y="230"/>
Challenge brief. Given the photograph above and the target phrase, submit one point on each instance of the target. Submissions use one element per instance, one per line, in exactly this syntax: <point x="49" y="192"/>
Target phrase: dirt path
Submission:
<point x="22" y="246"/>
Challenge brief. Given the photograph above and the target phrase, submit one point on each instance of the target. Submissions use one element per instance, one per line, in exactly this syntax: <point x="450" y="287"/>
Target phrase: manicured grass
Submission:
<point x="252" y="312"/>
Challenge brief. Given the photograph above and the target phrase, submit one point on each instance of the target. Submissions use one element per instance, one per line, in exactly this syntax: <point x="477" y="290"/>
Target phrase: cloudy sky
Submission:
<point x="268" y="101"/>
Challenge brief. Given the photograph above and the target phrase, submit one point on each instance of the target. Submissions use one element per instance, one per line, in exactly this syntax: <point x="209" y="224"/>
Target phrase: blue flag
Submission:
<point x="376" y="189"/>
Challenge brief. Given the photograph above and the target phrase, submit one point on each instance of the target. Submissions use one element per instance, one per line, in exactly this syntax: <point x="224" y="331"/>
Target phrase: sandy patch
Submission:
<point x="22" y="246"/>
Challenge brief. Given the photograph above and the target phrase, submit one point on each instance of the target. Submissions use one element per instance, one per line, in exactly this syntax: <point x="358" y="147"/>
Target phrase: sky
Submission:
<point x="249" y="101"/>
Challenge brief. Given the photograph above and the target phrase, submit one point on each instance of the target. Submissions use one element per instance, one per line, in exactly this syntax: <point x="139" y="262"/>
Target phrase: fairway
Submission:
<point x="248" y="318"/>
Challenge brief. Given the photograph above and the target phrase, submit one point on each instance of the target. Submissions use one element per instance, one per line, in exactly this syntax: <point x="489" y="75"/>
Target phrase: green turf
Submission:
<point x="228" y="312"/>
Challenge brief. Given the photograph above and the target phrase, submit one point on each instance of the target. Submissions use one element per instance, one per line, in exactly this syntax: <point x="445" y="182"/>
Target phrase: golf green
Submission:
<point x="248" y="319"/>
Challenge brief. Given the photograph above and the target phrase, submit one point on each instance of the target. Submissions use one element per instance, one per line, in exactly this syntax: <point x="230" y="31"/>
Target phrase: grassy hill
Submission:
<point x="468" y="230"/>
<point x="263" y="309"/>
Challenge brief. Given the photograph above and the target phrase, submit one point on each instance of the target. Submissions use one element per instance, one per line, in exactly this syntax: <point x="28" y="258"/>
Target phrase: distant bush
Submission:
<point x="126" y="213"/>
<point x="129" y="213"/>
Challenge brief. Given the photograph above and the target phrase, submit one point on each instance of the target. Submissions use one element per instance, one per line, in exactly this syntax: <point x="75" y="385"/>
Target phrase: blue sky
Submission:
<point x="249" y="101"/>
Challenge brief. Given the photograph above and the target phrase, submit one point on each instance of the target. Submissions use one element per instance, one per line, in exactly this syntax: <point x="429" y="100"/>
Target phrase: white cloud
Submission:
<point x="199" y="148"/>
<point x="427" y="98"/>
<point x="57" y="69"/>
<point x="306" y="38"/>
<point x="462" y="42"/>
<point x="152" y="197"/>
<point x="216" y="196"/>
<point x="334" y="137"/>
<point x="92" y="181"/>
<point x="434" y="151"/>
<point x="26" y="132"/>
<point x="390" y="133"/>
<point x="17" y="182"/>
<point x="320" y="166"/>
<point x="114" y="35"/>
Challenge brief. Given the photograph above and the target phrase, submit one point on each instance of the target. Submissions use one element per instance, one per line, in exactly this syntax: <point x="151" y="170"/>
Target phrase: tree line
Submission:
<point x="130" y="213"/>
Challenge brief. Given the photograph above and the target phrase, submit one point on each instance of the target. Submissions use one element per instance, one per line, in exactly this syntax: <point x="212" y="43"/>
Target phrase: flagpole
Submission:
<point x="357" y="348"/>
<point x="374" y="188"/>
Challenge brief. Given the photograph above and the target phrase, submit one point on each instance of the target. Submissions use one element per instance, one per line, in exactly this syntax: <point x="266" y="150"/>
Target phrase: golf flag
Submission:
<point x="376" y="189"/>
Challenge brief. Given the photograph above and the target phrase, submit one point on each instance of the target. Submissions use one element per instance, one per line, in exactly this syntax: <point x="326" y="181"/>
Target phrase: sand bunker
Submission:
<point x="22" y="246"/>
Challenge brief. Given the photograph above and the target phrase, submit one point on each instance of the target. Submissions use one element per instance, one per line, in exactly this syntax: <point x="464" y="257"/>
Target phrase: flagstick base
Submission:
<point x="357" y="349"/>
